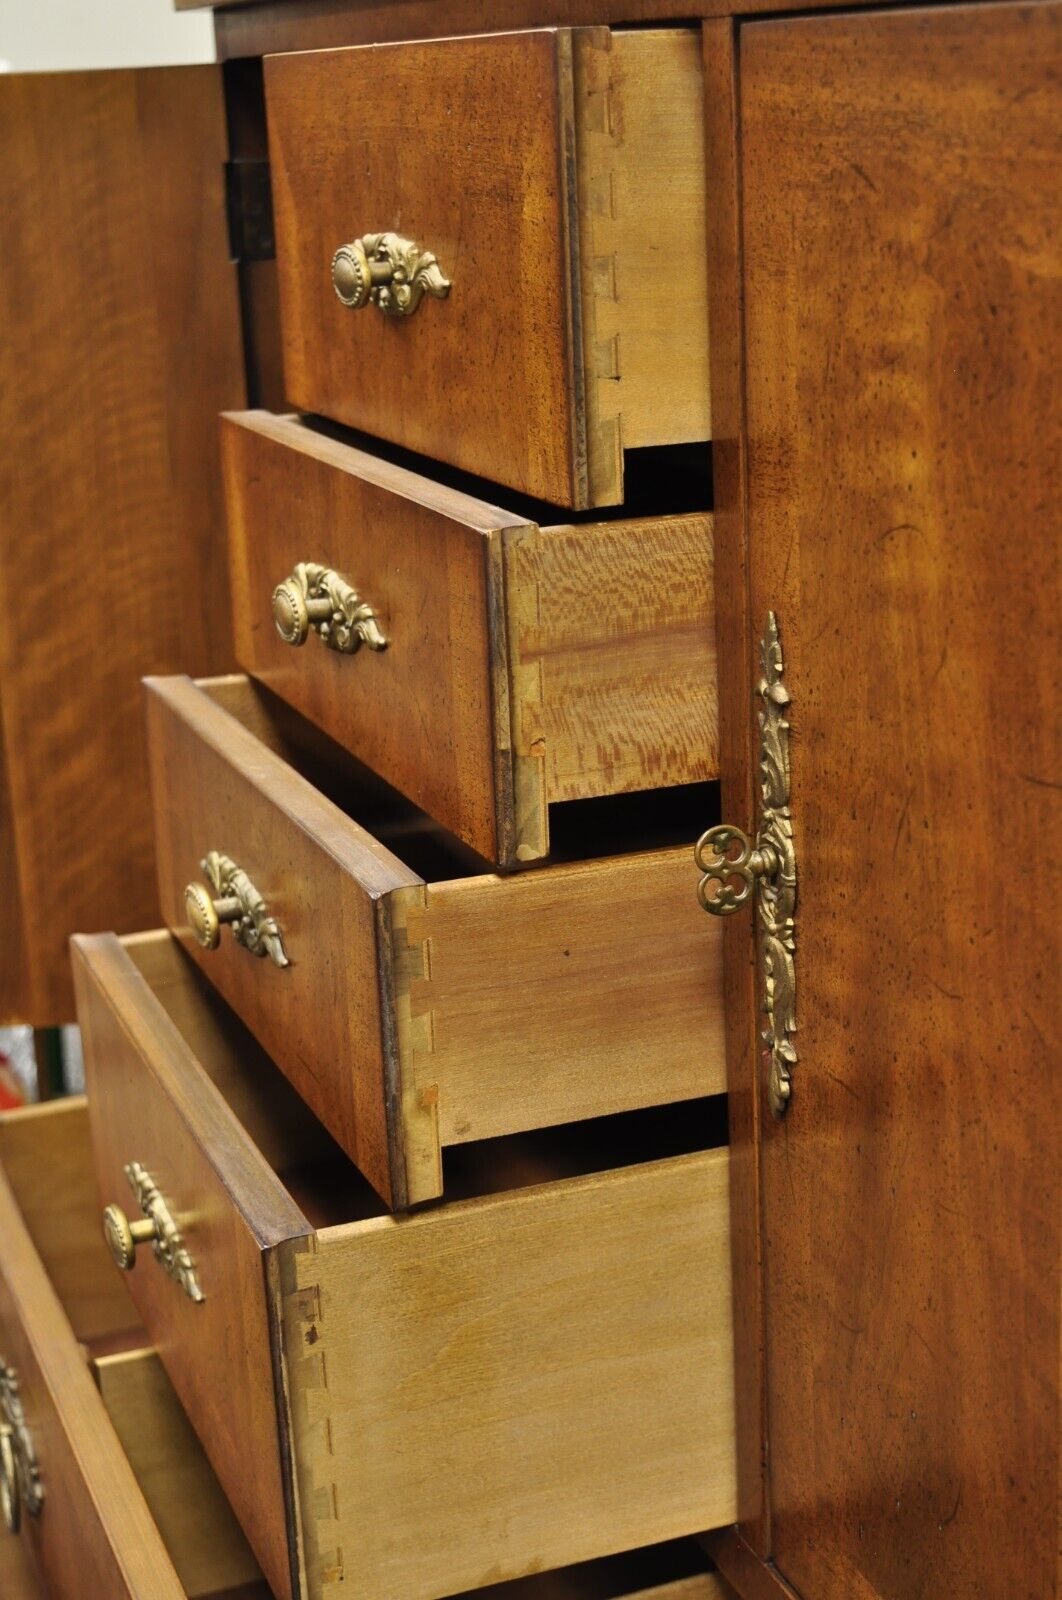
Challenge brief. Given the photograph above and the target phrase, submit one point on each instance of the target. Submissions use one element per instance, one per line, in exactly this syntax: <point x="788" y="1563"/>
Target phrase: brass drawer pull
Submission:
<point x="316" y="597"/>
<point x="157" y="1228"/>
<point x="394" y="273"/>
<point x="239" y="904"/>
<point x="20" y="1479"/>
<point x="767" y="867"/>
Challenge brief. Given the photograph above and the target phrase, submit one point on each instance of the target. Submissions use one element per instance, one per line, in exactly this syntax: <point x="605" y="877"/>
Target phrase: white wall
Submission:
<point x="58" y="35"/>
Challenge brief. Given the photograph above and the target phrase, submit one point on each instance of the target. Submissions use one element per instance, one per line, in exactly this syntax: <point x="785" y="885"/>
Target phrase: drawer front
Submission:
<point x="506" y="665"/>
<point x="92" y="1534"/>
<point x="209" y="1322"/>
<point x="528" y="165"/>
<point x="447" y="1011"/>
<point x="217" y="787"/>
<point x="422" y="711"/>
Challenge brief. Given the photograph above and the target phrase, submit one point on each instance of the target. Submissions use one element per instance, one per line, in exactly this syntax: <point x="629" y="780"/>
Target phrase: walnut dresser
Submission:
<point x="569" y="1058"/>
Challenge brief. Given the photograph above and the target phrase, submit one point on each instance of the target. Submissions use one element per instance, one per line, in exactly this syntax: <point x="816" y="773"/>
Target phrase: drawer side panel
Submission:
<point x="534" y="1380"/>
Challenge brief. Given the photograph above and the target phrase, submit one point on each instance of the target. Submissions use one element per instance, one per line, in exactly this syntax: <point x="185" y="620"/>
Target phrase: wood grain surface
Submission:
<point x="423" y="713"/>
<point x="525" y="664"/>
<point x="151" y="1101"/>
<point x="208" y="1551"/>
<point x="556" y="1380"/>
<point x="111" y="564"/>
<point x="462" y="152"/>
<point x="901" y="225"/>
<point x="94" y="1534"/>
<point x="217" y="787"/>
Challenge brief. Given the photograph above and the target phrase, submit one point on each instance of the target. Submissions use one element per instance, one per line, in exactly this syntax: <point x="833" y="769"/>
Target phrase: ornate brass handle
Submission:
<point x="318" y="598"/>
<point x="239" y="904"/>
<point x="733" y="868"/>
<point x="20" y="1478"/>
<point x="392" y="272"/>
<point x="156" y="1227"/>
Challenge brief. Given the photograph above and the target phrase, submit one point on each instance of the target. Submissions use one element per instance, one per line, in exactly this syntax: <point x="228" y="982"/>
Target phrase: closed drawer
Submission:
<point x="115" y="1496"/>
<point x="558" y="179"/>
<point x="505" y="666"/>
<point x="423" y="1003"/>
<point x="525" y="1377"/>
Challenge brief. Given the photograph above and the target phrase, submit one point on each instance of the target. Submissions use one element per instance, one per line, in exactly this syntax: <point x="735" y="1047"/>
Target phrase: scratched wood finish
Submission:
<point x="901" y="225"/>
<point x="416" y="1013"/>
<point x="525" y="664"/>
<point x="522" y="161"/>
<point x="151" y="1102"/>
<point x="565" y="1350"/>
<point x="641" y="1371"/>
<point x="94" y="1534"/>
<point x="110" y="487"/>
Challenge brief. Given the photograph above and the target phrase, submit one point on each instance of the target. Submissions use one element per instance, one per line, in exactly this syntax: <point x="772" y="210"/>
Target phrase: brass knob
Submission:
<point x="10" y="1499"/>
<point x="235" y="901"/>
<point x="392" y="273"/>
<point x="316" y="597"/>
<point x="293" y="612"/>
<point x="205" y="915"/>
<point x="156" y="1226"/>
<point x="20" y="1480"/>
<point x="123" y="1236"/>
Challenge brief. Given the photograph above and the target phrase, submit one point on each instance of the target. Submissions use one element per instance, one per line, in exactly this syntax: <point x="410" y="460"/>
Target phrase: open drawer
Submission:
<point x="555" y="179"/>
<point x="486" y="662"/>
<point x="103" y="1481"/>
<point x="400" y="1408"/>
<point x="416" y="1000"/>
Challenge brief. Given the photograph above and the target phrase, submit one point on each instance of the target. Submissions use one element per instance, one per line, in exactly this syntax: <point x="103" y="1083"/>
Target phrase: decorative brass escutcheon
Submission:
<point x="393" y="273"/>
<point x="318" y="598"/>
<point x="20" y="1479"/>
<point x="235" y="901"/>
<point x="156" y="1227"/>
<point x="733" y="868"/>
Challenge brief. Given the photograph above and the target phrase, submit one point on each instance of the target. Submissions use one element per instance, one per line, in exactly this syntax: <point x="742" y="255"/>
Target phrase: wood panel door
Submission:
<point x="900" y="232"/>
<point x="120" y="345"/>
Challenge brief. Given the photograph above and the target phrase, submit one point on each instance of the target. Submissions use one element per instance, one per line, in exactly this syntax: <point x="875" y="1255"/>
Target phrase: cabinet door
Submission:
<point x="120" y="344"/>
<point x="900" y="227"/>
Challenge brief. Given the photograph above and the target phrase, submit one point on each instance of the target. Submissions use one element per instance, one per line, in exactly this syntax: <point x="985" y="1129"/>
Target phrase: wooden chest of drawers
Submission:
<point x="554" y="263"/>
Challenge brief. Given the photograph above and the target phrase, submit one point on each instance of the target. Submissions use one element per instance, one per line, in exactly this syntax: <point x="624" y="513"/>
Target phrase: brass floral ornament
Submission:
<point x="237" y="902"/>
<point x="391" y="273"/>
<point x="21" y="1488"/>
<point x="316" y="598"/>
<point x="155" y="1226"/>
<point x="732" y="867"/>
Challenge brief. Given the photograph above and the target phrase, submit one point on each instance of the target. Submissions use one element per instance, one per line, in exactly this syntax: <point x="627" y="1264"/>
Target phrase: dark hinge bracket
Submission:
<point x="249" y="201"/>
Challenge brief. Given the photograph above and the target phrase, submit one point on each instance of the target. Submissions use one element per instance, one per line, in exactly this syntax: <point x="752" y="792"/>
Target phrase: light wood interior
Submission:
<point x="641" y="187"/>
<point x="195" y="1520"/>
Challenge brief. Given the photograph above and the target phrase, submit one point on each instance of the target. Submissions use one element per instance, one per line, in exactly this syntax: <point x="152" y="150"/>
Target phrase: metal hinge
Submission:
<point x="249" y="202"/>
